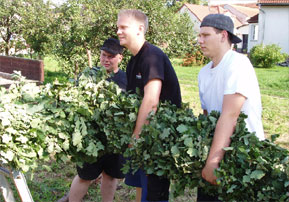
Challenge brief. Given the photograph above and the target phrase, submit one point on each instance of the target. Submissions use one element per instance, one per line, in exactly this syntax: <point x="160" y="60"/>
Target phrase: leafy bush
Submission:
<point x="266" y="56"/>
<point x="195" y="56"/>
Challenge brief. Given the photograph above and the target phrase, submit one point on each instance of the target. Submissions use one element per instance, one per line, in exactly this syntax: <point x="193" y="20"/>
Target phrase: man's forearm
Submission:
<point x="224" y="130"/>
<point x="149" y="103"/>
<point x="146" y="107"/>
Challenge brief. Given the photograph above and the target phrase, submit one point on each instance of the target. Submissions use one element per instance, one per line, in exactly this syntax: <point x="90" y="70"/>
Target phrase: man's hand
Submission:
<point x="134" y="137"/>
<point x="208" y="172"/>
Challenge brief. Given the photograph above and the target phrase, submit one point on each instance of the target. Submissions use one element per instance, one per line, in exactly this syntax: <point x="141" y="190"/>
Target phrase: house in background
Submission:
<point x="271" y="26"/>
<point x="239" y="13"/>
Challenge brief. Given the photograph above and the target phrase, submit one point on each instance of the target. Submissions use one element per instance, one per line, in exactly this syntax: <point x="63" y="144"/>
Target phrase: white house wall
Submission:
<point x="274" y="26"/>
<point x="252" y="42"/>
<point x="193" y="18"/>
<point x="240" y="31"/>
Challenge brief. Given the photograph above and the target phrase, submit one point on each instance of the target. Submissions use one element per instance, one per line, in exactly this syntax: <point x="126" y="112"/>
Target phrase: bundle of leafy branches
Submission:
<point x="81" y="122"/>
<point x="175" y="145"/>
<point x="62" y="121"/>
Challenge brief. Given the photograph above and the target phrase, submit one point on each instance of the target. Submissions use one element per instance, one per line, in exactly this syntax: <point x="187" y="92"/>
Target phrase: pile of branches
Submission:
<point x="81" y="121"/>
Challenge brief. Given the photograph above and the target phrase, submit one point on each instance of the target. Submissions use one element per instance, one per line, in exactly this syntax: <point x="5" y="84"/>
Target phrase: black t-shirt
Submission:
<point x="119" y="78"/>
<point x="151" y="63"/>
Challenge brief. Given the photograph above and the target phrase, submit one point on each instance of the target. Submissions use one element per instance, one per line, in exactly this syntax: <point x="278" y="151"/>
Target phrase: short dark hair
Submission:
<point x="137" y="15"/>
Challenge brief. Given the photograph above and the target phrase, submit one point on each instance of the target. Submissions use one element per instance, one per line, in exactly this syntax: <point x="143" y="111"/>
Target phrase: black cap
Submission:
<point x="221" y="22"/>
<point x="112" y="46"/>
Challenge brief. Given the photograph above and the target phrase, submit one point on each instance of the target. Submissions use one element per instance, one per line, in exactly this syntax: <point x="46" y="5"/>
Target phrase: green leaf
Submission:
<point x="149" y="171"/>
<point x="192" y="152"/>
<point x="257" y="174"/>
<point x="175" y="151"/>
<point x="246" y="179"/>
<point x="182" y="128"/>
<point x="189" y="142"/>
<point x="132" y="117"/>
<point x="228" y="148"/>
<point x="231" y="189"/>
<point x="76" y="138"/>
<point x="165" y="133"/>
<point x="160" y="172"/>
<point x="6" y="138"/>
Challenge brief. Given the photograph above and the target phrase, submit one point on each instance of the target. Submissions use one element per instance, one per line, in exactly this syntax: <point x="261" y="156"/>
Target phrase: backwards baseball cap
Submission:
<point x="221" y="22"/>
<point x="112" y="46"/>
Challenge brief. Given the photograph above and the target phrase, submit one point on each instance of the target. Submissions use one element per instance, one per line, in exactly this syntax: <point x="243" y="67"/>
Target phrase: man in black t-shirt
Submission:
<point x="150" y="70"/>
<point x="108" y="166"/>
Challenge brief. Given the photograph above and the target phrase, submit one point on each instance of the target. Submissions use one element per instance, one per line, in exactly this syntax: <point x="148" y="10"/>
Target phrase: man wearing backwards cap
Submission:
<point x="227" y="84"/>
<point x="108" y="166"/>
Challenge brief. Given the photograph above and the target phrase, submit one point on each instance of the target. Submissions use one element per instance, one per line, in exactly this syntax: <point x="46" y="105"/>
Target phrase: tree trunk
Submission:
<point x="88" y="52"/>
<point x="76" y="71"/>
<point x="7" y="51"/>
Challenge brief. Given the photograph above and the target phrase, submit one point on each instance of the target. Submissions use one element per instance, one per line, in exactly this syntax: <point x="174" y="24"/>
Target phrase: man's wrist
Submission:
<point x="136" y="136"/>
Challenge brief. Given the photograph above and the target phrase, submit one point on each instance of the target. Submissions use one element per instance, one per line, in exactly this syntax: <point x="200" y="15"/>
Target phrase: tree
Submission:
<point x="38" y="19"/>
<point x="10" y="25"/>
<point x="83" y="25"/>
<point x="24" y="25"/>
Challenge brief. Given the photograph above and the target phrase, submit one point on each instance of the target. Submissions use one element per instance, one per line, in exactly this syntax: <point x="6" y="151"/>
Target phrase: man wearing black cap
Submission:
<point x="227" y="84"/>
<point x="108" y="166"/>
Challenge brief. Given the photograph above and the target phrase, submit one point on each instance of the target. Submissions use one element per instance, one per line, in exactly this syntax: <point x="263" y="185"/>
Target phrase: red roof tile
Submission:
<point x="273" y="1"/>
<point x="246" y="10"/>
<point x="254" y="19"/>
<point x="201" y="11"/>
<point x="198" y="10"/>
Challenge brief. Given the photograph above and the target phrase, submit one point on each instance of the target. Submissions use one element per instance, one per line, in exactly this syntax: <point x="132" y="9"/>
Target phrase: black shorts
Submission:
<point x="157" y="188"/>
<point x="203" y="197"/>
<point x="109" y="163"/>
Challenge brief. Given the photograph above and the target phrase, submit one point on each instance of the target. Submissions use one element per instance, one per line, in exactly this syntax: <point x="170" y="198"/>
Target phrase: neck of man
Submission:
<point x="137" y="46"/>
<point x="220" y="54"/>
<point x="114" y="71"/>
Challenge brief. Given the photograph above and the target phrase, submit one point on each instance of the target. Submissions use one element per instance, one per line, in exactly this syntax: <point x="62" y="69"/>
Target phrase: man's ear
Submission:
<point x="120" y="58"/>
<point x="141" y="28"/>
<point x="225" y="35"/>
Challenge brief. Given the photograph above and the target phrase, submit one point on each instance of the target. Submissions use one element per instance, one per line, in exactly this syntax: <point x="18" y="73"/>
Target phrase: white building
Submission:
<point x="271" y="26"/>
<point x="239" y="13"/>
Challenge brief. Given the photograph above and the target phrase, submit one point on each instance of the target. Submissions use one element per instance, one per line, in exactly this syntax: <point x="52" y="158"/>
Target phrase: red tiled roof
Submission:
<point x="246" y="10"/>
<point x="254" y="19"/>
<point x="273" y="1"/>
<point x="250" y="5"/>
<point x="201" y="11"/>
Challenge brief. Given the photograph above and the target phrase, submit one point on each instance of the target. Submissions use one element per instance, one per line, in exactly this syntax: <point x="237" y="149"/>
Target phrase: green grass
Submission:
<point x="274" y="82"/>
<point x="274" y="85"/>
<point x="52" y="71"/>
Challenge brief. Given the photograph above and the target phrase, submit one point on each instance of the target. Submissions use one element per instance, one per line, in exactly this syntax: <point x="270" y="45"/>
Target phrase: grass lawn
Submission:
<point x="274" y="83"/>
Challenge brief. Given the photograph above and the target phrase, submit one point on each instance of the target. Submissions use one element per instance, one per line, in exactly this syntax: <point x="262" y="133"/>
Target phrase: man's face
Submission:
<point x="128" y="30"/>
<point x="210" y="41"/>
<point x="110" y="61"/>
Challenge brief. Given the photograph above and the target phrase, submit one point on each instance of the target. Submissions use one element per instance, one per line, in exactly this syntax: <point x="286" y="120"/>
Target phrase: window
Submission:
<point x="254" y="32"/>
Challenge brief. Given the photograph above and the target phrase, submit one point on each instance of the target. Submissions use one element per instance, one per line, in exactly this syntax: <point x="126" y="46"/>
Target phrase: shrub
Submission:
<point x="195" y="56"/>
<point x="266" y="56"/>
